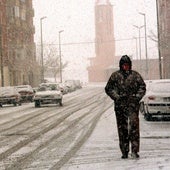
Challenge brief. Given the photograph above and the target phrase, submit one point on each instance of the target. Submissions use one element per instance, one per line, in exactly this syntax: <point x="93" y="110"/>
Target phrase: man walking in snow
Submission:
<point x="126" y="87"/>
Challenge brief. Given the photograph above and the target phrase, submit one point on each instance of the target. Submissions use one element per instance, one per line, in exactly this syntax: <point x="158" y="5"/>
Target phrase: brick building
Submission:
<point x="104" y="42"/>
<point x="163" y="9"/>
<point x="18" y="59"/>
<point x="152" y="72"/>
<point x="140" y="66"/>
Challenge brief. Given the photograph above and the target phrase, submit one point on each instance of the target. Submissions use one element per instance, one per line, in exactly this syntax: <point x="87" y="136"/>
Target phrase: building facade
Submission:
<point x="104" y="42"/>
<point x="152" y="73"/>
<point x="18" y="57"/>
<point x="163" y="9"/>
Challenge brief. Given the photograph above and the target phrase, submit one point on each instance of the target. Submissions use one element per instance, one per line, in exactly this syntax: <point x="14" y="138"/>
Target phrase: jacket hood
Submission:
<point x="125" y="59"/>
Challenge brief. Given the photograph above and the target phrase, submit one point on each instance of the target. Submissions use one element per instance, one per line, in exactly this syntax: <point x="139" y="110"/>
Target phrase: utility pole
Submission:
<point x="159" y="45"/>
<point x="59" y="38"/>
<point x="140" y="57"/>
<point x="42" y="55"/>
<point x="1" y="55"/>
<point x="146" y="46"/>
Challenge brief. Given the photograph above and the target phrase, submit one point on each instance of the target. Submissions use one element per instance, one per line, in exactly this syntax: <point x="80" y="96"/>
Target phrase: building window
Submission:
<point x="16" y="11"/>
<point x="23" y="14"/>
<point x="168" y="10"/>
<point x="0" y="17"/>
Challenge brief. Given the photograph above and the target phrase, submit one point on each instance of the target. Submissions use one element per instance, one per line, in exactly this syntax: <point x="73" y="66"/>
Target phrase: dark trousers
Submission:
<point x="127" y="117"/>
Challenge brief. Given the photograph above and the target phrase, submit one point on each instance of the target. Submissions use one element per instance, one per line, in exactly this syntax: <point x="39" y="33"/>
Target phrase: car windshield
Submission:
<point x="21" y="87"/>
<point x="7" y="91"/>
<point x="43" y="88"/>
<point x="162" y="87"/>
<point x="50" y="86"/>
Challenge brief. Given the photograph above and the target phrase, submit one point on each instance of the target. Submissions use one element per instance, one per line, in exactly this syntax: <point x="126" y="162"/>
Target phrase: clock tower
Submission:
<point x="98" y="71"/>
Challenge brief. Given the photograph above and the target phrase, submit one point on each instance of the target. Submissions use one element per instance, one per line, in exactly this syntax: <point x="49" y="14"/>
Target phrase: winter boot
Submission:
<point x="125" y="155"/>
<point x="135" y="155"/>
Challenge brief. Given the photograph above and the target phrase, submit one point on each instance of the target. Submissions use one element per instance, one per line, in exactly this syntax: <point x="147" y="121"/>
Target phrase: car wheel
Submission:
<point x="60" y="103"/>
<point x="0" y="105"/>
<point x="147" y="116"/>
<point x="19" y="103"/>
<point x="37" y="104"/>
<point x="141" y="108"/>
<point x="15" y="104"/>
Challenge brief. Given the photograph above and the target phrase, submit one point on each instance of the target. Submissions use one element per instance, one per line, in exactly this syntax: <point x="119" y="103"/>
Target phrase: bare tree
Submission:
<point x="154" y="38"/>
<point x="52" y="62"/>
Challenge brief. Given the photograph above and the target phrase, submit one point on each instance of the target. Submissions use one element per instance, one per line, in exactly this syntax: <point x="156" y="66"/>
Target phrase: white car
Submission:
<point x="156" y="102"/>
<point x="48" y="95"/>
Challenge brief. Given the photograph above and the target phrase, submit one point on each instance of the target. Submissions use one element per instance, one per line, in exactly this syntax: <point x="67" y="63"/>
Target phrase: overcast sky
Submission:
<point x="76" y="18"/>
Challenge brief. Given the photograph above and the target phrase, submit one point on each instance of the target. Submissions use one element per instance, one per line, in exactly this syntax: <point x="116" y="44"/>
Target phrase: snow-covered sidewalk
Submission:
<point x="101" y="151"/>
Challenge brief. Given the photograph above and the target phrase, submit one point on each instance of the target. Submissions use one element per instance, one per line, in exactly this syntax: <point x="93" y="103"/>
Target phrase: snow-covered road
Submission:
<point x="101" y="151"/>
<point x="80" y="135"/>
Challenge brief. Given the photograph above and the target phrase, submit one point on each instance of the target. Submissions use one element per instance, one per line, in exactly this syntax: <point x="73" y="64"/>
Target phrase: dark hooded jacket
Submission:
<point x="125" y="85"/>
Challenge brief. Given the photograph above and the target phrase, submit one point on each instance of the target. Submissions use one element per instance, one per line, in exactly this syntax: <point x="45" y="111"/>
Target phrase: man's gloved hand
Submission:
<point x="134" y="99"/>
<point x="117" y="97"/>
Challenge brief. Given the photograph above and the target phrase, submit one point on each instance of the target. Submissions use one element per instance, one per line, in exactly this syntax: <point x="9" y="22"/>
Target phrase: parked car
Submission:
<point x="48" y="95"/>
<point x="35" y="89"/>
<point x="156" y="102"/>
<point x="71" y="85"/>
<point x="78" y="84"/>
<point x="59" y="86"/>
<point x="9" y="95"/>
<point x="26" y="92"/>
<point x="63" y="88"/>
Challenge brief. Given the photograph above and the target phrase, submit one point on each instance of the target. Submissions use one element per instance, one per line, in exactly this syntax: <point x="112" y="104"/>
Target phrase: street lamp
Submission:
<point x="42" y="57"/>
<point x="146" y="48"/>
<point x="60" y="54"/>
<point x="139" y="42"/>
<point x="1" y="59"/>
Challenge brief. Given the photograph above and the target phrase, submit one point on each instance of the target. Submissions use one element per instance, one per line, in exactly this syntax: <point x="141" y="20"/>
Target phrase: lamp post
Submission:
<point x="139" y="28"/>
<point x="146" y="48"/>
<point x="1" y="59"/>
<point x="59" y="38"/>
<point x="42" y="57"/>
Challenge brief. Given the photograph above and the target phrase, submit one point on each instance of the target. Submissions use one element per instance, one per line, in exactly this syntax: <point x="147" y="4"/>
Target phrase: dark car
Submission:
<point x="9" y="95"/>
<point x="26" y="92"/>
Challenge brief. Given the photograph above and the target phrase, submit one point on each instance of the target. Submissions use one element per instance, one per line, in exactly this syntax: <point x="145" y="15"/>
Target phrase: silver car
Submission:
<point x="48" y="95"/>
<point x="156" y="102"/>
